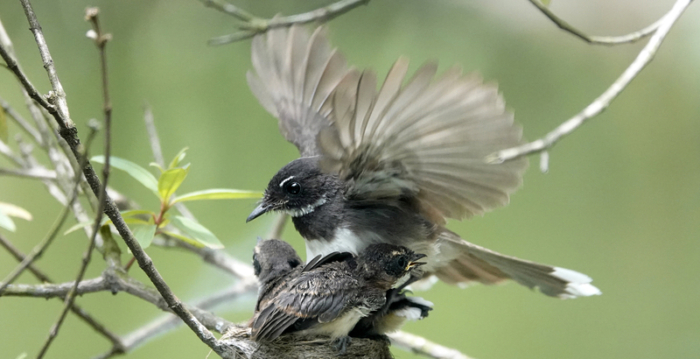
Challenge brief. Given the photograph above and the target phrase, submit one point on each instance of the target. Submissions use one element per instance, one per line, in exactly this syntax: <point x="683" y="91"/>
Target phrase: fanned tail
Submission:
<point x="472" y="263"/>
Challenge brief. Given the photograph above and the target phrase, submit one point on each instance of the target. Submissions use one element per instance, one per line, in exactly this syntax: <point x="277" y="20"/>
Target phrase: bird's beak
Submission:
<point x="261" y="209"/>
<point x="413" y="262"/>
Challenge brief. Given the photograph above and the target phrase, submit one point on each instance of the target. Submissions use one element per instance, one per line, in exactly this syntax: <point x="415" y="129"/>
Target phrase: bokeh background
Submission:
<point x="620" y="202"/>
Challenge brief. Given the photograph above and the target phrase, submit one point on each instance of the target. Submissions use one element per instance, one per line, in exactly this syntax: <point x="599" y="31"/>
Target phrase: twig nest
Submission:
<point x="302" y="347"/>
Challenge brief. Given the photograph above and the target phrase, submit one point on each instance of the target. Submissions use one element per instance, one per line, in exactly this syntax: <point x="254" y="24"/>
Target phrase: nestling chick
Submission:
<point x="329" y="295"/>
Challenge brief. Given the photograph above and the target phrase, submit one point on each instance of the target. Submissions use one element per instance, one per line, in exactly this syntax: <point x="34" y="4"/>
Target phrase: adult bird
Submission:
<point x="391" y="166"/>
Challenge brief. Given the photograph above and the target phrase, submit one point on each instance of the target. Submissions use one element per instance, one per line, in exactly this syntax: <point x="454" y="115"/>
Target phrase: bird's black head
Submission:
<point x="273" y="258"/>
<point x="385" y="263"/>
<point x="297" y="189"/>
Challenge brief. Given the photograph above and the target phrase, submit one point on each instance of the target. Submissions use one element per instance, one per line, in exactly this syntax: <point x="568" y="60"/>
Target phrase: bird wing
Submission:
<point x="464" y="262"/>
<point x="314" y="297"/>
<point x="295" y="74"/>
<point x="427" y="138"/>
<point x="322" y="260"/>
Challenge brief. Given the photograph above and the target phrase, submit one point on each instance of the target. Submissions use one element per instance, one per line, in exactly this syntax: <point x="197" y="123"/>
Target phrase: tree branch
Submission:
<point x="101" y="42"/>
<point x="69" y="133"/>
<point x="604" y="100"/>
<point x="80" y="312"/>
<point x="41" y="247"/>
<point x="596" y="40"/>
<point x="252" y="25"/>
<point x="23" y="124"/>
<point x="167" y="323"/>
<point x="34" y="173"/>
<point x="422" y="346"/>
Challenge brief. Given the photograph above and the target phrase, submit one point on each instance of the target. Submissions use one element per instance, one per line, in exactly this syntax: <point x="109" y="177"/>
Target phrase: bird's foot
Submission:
<point x="341" y="344"/>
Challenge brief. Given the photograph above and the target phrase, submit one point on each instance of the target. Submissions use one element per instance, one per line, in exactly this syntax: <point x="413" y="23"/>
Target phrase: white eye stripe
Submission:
<point x="285" y="180"/>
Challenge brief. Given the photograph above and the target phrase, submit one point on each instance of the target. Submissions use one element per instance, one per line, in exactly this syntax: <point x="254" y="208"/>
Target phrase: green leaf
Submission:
<point x="3" y="125"/>
<point x="195" y="230"/>
<point x="136" y="212"/>
<point x="6" y="222"/>
<point x="15" y="211"/>
<point x="144" y="234"/>
<point x="110" y="250"/>
<point x="178" y="158"/>
<point x="105" y="221"/>
<point x="545" y="2"/>
<point x="159" y="167"/>
<point x="217" y="193"/>
<point x="170" y="181"/>
<point x="22" y="356"/>
<point x="184" y="238"/>
<point x="137" y="172"/>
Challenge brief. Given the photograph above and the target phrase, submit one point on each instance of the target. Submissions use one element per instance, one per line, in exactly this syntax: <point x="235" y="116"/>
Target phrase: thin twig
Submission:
<point x="10" y="155"/>
<point x="110" y="281"/>
<point x="80" y="312"/>
<point x="604" y="100"/>
<point x="23" y="124"/>
<point x="596" y="40"/>
<point x="167" y="323"/>
<point x="69" y="133"/>
<point x="101" y="42"/>
<point x="215" y="257"/>
<point x="424" y="347"/>
<point x="33" y="173"/>
<point x="41" y="247"/>
<point x="153" y="135"/>
<point x="278" y="226"/>
<point x="252" y="25"/>
<point x="58" y="97"/>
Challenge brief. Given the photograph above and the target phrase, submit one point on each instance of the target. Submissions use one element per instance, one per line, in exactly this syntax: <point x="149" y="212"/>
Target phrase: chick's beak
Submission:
<point x="261" y="209"/>
<point x="413" y="262"/>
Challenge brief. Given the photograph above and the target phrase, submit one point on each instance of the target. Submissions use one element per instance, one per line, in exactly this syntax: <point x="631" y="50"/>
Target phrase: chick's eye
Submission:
<point x="292" y="187"/>
<point x="403" y="262"/>
<point x="256" y="265"/>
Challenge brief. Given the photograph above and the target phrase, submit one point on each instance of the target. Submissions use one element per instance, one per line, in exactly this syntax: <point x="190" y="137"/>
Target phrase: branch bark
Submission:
<point x="596" y="40"/>
<point x="604" y="100"/>
<point x="252" y="25"/>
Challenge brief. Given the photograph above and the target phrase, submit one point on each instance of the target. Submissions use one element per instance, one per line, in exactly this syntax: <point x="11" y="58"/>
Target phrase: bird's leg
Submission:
<point x="341" y="344"/>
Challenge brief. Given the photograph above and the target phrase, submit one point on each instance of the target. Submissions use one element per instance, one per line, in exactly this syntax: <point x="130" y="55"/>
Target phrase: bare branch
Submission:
<point x="100" y="41"/>
<point x="7" y="152"/>
<point x="252" y="25"/>
<point x="215" y="257"/>
<point x="34" y="173"/>
<point x="278" y="226"/>
<point x="41" y="247"/>
<point x="422" y="346"/>
<point x="153" y="135"/>
<point x="69" y="133"/>
<point x="58" y="97"/>
<point x="167" y="323"/>
<point x="23" y="124"/>
<point x="604" y="100"/>
<point x="80" y="312"/>
<point x="596" y="40"/>
<point x="113" y="282"/>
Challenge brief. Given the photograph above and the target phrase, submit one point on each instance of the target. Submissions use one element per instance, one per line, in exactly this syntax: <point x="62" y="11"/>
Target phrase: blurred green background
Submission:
<point x="620" y="202"/>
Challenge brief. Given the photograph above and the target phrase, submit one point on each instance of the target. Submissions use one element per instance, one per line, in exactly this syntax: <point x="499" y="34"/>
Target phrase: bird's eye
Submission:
<point x="256" y="265"/>
<point x="292" y="188"/>
<point x="403" y="263"/>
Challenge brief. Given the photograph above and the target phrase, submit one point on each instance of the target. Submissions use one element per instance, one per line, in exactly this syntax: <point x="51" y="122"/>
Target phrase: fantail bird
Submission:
<point x="391" y="166"/>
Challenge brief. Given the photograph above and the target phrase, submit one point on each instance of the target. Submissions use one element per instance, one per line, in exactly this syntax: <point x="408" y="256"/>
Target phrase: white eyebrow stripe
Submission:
<point x="285" y="180"/>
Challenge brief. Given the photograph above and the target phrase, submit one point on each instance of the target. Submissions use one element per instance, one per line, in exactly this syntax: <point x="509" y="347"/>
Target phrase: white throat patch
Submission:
<point x="298" y="212"/>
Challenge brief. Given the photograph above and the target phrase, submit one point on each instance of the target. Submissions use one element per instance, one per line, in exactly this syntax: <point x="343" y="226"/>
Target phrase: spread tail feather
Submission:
<point x="471" y="263"/>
